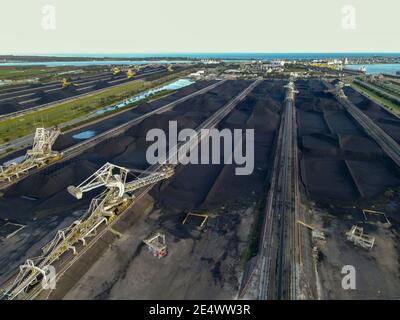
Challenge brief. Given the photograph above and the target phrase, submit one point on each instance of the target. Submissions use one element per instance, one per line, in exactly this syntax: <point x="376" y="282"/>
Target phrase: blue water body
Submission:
<point x="229" y="56"/>
<point x="86" y="63"/>
<point x="377" y="68"/>
<point x="181" y="83"/>
<point x="233" y="55"/>
<point x="84" y="135"/>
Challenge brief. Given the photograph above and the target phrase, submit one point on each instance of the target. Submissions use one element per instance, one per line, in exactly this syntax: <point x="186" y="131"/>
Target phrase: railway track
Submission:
<point x="211" y="122"/>
<point x="275" y="272"/>
<point x="278" y="268"/>
<point x="48" y="86"/>
<point x="84" y="145"/>
<point x="4" y="92"/>
<point x="72" y="98"/>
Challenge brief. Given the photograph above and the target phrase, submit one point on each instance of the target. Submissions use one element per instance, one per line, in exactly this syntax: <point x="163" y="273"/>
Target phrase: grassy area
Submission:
<point x="108" y="113"/>
<point x="21" y="73"/>
<point x="16" y="73"/>
<point x="377" y="98"/>
<point x="395" y="88"/>
<point x="387" y="87"/>
<point x="24" y="125"/>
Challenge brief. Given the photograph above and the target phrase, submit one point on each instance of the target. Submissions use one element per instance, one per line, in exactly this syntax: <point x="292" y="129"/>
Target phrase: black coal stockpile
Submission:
<point x="53" y="180"/>
<point x="338" y="160"/>
<point x="48" y="188"/>
<point x="67" y="140"/>
<point x="383" y="118"/>
<point x="204" y="187"/>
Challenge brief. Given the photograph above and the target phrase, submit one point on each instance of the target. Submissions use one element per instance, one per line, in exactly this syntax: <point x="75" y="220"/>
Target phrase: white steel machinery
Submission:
<point x="40" y="155"/>
<point x="103" y="209"/>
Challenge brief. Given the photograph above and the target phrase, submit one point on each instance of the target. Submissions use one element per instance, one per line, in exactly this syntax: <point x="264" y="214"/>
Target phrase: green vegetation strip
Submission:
<point x="24" y="125"/>
<point x="384" y="86"/>
<point x="394" y="87"/>
<point x="377" y="97"/>
<point x="22" y="73"/>
<point x="111" y="112"/>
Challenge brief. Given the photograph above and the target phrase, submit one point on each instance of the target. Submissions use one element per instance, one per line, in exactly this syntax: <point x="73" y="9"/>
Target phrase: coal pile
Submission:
<point x="49" y="182"/>
<point x="192" y="187"/>
<point x="383" y="118"/>
<point x="335" y="149"/>
<point x="207" y="187"/>
<point x="67" y="140"/>
<point x="128" y="149"/>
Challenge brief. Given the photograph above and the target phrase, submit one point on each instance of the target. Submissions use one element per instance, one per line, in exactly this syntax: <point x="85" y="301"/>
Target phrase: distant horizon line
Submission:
<point x="203" y="52"/>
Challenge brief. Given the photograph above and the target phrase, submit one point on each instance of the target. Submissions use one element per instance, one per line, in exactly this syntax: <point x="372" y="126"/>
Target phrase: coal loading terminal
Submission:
<point x="221" y="235"/>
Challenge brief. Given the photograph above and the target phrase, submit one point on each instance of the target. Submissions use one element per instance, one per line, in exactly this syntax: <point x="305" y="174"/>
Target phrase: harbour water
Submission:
<point x="377" y="68"/>
<point x="188" y="57"/>
<point x="233" y="55"/>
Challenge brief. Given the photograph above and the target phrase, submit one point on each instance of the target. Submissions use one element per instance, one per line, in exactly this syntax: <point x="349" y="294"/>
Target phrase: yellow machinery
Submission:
<point x="103" y="210"/>
<point x="305" y="225"/>
<point x="323" y="65"/>
<point x="170" y="68"/>
<point x="318" y="235"/>
<point x="130" y="73"/>
<point x="116" y="71"/>
<point x="66" y="83"/>
<point x="40" y="155"/>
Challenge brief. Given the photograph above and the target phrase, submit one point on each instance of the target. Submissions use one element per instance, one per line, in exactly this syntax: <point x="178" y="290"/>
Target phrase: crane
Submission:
<point x="114" y="178"/>
<point x="116" y="71"/>
<point x="316" y="234"/>
<point x="103" y="210"/>
<point x="130" y="73"/>
<point x="291" y="89"/>
<point x="109" y="176"/>
<point x="65" y="83"/>
<point x="338" y="89"/>
<point x="40" y="155"/>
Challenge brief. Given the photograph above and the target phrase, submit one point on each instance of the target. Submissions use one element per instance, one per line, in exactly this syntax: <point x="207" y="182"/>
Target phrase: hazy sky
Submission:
<point x="133" y="26"/>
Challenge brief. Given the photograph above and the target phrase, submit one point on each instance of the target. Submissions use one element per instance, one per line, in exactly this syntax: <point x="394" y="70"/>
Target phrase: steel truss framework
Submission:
<point x="41" y="154"/>
<point x="103" y="209"/>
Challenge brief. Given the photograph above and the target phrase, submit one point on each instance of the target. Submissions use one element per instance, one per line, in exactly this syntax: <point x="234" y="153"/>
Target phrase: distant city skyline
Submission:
<point x="189" y="26"/>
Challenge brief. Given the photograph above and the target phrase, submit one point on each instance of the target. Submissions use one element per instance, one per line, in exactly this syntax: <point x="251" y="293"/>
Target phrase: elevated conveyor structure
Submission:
<point x="40" y="155"/>
<point x="103" y="209"/>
